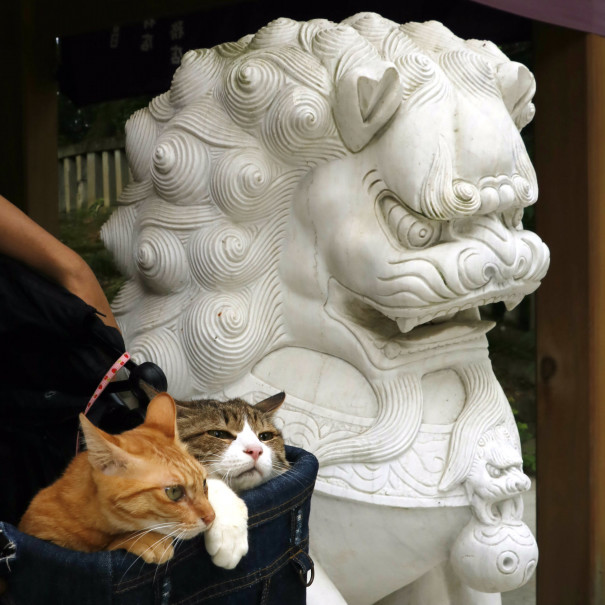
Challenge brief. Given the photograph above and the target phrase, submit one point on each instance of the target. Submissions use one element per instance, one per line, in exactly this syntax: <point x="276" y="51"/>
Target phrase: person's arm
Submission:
<point x="24" y="240"/>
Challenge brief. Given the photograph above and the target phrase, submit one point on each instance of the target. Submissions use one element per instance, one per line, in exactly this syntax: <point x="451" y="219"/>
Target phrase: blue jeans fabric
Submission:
<point x="274" y="572"/>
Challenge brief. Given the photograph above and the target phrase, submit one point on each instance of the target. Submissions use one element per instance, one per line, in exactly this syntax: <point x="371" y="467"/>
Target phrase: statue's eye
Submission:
<point x="266" y="436"/>
<point x="410" y="229"/>
<point x="494" y="471"/>
<point x="221" y="434"/>
<point x="175" y="492"/>
<point x="416" y="233"/>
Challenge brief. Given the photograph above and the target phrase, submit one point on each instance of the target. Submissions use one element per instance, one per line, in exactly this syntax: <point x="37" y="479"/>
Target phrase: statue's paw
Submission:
<point x="227" y="537"/>
<point x="496" y="557"/>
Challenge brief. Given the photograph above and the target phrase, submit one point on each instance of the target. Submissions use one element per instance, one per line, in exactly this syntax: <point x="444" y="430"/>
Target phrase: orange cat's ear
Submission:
<point x="271" y="404"/>
<point x="161" y="414"/>
<point x="104" y="453"/>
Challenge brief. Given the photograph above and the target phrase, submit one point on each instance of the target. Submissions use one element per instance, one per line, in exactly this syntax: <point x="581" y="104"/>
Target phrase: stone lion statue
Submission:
<point x="322" y="208"/>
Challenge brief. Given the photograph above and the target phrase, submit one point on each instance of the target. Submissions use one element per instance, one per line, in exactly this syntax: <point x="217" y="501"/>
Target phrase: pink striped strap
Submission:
<point x="102" y="386"/>
<point x="106" y="380"/>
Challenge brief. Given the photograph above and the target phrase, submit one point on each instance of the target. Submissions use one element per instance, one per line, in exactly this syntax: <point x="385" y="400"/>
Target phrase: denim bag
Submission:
<point x="275" y="571"/>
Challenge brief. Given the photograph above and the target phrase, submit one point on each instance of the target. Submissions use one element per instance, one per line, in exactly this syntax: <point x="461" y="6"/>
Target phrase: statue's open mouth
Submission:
<point x="464" y="312"/>
<point x="395" y="331"/>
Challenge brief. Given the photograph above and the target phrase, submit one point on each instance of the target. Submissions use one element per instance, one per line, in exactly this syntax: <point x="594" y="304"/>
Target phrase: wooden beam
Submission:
<point x="596" y="220"/>
<point x="70" y="17"/>
<point x="570" y="162"/>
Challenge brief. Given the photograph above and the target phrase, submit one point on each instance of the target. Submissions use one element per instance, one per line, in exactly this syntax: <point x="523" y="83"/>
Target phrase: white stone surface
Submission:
<point x="322" y="208"/>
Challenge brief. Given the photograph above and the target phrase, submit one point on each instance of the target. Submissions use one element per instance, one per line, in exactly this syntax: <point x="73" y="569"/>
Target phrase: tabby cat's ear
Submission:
<point x="161" y="415"/>
<point x="104" y="453"/>
<point x="271" y="404"/>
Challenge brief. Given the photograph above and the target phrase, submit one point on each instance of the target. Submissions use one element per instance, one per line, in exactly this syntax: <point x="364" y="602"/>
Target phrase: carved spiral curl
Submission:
<point x="309" y="30"/>
<point x="160" y="107"/>
<point x="305" y="69"/>
<point x="415" y="70"/>
<point x="141" y="133"/>
<point x="180" y="168"/>
<point x="135" y="191"/>
<point x="224" y="334"/>
<point x="239" y="182"/>
<point x="161" y="260"/>
<point x="198" y="73"/>
<point x="207" y="121"/>
<point x="341" y="48"/>
<point x="396" y="45"/>
<point x="116" y="234"/>
<point x="441" y="197"/>
<point x="471" y="72"/>
<point x="524" y="190"/>
<point x="279" y="32"/>
<point x="330" y="42"/>
<point x="222" y="255"/>
<point x="432" y="37"/>
<point x="232" y="50"/>
<point x="526" y="174"/>
<point x="373" y="27"/>
<point x="127" y="299"/>
<point x="296" y="122"/>
<point x="162" y="347"/>
<point x="249" y="89"/>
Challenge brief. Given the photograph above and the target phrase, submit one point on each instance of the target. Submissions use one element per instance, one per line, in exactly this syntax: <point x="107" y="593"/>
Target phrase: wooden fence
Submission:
<point x="91" y="173"/>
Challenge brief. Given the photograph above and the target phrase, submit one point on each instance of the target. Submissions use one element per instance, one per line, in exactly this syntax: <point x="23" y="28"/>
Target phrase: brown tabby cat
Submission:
<point x="138" y="491"/>
<point x="237" y="442"/>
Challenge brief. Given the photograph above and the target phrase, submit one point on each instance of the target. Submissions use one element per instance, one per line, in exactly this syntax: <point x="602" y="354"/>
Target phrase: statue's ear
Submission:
<point x="518" y="86"/>
<point x="366" y="99"/>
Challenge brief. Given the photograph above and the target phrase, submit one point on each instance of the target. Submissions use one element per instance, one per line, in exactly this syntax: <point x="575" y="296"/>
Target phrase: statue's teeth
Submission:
<point x="513" y="301"/>
<point x="406" y="324"/>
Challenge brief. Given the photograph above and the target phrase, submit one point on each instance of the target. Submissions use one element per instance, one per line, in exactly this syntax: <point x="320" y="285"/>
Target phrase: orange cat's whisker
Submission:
<point x="143" y="532"/>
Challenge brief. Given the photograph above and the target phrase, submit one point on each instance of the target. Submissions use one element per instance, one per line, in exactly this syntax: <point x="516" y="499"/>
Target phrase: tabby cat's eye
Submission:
<point x="175" y="492"/>
<point x="266" y="436"/>
<point x="221" y="434"/>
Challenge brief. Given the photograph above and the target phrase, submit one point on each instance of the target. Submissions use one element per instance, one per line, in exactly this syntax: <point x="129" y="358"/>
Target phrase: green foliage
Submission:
<point x="93" y="122"/>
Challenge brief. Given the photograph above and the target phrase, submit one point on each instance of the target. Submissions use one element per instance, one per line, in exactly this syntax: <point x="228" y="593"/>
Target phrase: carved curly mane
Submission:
<point x="215" y="163"/>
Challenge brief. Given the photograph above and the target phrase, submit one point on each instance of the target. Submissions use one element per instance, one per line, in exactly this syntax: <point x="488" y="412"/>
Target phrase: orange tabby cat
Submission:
<point x="137" y="491"/>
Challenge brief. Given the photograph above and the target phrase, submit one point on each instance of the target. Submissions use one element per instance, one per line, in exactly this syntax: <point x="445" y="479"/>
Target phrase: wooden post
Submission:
<point x="106" y="179"/>
<point x="117" y="158"/>
<point x="92" y="180"/>
<point x="28" y="113"/>
<point x="570" y="162"/>
<point x="67" y="184"/>
<point x="79" y="182"/>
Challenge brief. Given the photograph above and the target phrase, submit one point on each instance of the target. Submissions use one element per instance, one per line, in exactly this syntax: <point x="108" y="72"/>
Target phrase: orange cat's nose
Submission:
<point x="255" y="451"/>
<point x="208" y="518"/>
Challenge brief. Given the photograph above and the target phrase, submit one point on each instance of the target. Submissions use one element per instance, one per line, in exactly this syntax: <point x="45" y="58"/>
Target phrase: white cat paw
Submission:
<point x="227" y="537"/>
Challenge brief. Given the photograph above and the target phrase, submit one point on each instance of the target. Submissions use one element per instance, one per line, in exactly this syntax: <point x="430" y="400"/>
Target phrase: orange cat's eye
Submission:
<point x="175" y="492"/>
<point x="266" y="436"/>
<point x="221" y="434"/>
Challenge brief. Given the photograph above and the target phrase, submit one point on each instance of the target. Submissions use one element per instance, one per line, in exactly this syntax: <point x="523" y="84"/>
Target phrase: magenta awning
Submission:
<point x="585" y="15"/>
